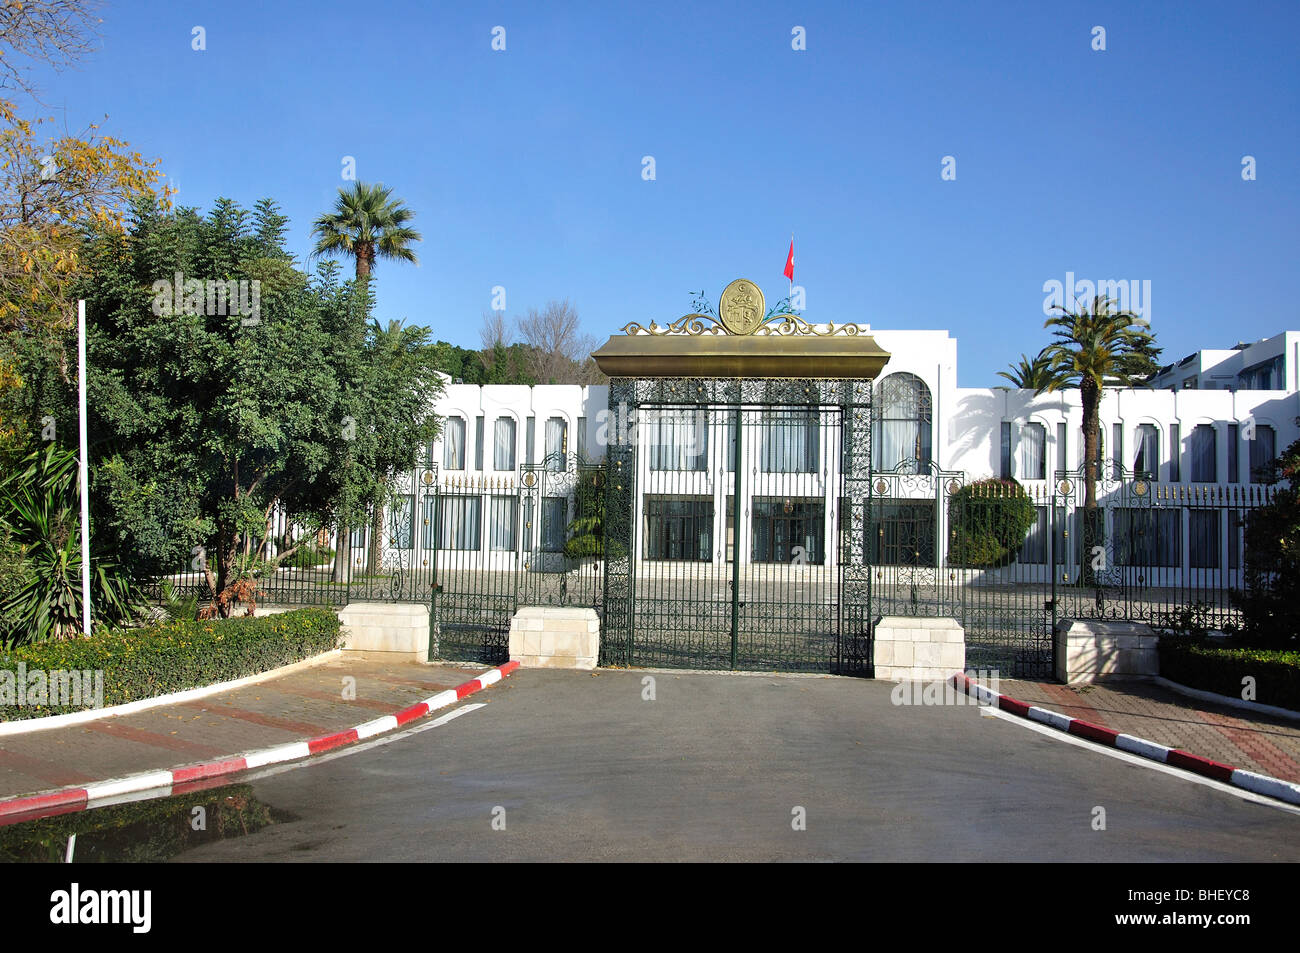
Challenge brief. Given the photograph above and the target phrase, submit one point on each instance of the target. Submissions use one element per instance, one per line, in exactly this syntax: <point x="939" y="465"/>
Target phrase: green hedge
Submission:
<point x="1196" y="664"/>
<point x="173" y="656"/>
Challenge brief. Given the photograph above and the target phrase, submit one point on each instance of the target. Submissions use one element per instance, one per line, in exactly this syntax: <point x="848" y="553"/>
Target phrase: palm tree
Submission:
<point x="1031" y="374"/>
<point x="1096" y="347"/>
<point x="367" y="223"/>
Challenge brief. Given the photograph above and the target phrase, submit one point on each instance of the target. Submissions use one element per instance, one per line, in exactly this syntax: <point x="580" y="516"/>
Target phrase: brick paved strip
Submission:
<point x="30" y="807"/>
<point x="257" y="718"/>
<point x="370" y="703"/>
<point x="47" y="771"/>
<point x="153" y="739"/>
<point x="1255" y="746"/>
<point x="1248" y="780"/>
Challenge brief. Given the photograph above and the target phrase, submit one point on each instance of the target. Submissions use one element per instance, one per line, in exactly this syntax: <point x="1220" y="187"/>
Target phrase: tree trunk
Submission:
<point x="342" y="556"/>
<point x="1093" y="540"/>
<point x="376" y="539"/>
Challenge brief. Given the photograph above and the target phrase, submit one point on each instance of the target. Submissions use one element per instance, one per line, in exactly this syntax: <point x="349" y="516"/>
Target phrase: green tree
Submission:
<point x="205" y="422"/>
<point x="1270" y="603"/>
<point x="1034" y="374"/>
<point x="1097" y="346"/>
<point x="367" y="223"/>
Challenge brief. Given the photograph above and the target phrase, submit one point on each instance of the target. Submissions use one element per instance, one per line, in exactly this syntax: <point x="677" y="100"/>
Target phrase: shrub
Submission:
<point x="308" y="557"/>
<point x="174" y="656"/>
<point x="987" y="523"/>
<point x="1197" y="664"/>
<point x="1270" y="605"/>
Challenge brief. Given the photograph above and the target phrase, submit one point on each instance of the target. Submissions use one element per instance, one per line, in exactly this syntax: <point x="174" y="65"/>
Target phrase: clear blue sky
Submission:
<point x="524" y="166"/>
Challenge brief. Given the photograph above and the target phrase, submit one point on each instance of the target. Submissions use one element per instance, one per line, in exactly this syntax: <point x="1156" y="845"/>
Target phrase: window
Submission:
<point x="1033" y="452"/>
<point x="679" y="528"/>
<point x="504" y="519"/>
<point x="453" y="443"/>
<point x="786" y="531"/>
<point x="903" y="424"/>
<point x="680" y="440"/>
<point x="904" y="531"/>
<point x="503" y="450"/>
<point x="790" y="443"/>
<point x="557" y="444"/>
<point x="1263" y="450"/>
<point x="1117" y="451"/>
<point x="1175" y="454"/>
<point x="1038" y="541"/>
<point x="460" y="521"/>
<point x="1234" y="443"/>
<point x="1203" y="538"/>
<point x="582" y="438"/>
<point x="1204" y="454"/>
<point x="478" y="443"/>
<point x="555" y="523"/>
<point x="1148" y="537"/>
<point x="1146" y="463"/>
<point x="1005" y="440"/>
<point x="1062" y="457"/>
<point x="359" y="537"/>
<point x="530" y="439"/>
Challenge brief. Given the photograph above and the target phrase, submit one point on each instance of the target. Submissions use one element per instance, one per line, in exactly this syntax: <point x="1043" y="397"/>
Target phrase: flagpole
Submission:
<point x="84" y="469"/>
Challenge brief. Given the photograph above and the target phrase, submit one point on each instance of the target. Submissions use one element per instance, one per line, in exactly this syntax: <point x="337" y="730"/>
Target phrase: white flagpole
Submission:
<point x="792" y="270"/>
<point x="84" y="469"/>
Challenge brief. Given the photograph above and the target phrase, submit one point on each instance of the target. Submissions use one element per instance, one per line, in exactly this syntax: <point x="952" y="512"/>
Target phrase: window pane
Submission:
<point x="555" y="522"/>
<point x="556" y="444"/>
<point x="787" y="530"/>
<point x="503" y="453"/>
<point x="1263" y="449"/>
<point x="1203" y="538"/>
<point x="1148" y="536"/>
<point x="504" y="513"/>
<point x="1033" y="452"/>
<point x="460" y="522"/>
<point x="1146" y="462"/>
<point x="790" y="444"/>
<point x="679" y="440"/>
<point x="903" y="424"/>
<point x="1203" y="454"/>
<point x="679" y="528"/>
<point x="453" y="443"/>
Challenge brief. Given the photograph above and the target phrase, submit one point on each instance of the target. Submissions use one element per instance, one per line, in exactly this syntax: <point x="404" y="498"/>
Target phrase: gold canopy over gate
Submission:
<point x="741" y="341"/>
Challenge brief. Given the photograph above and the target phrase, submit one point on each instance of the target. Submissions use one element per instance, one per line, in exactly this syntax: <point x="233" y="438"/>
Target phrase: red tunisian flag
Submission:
<point x="789" y="262"/>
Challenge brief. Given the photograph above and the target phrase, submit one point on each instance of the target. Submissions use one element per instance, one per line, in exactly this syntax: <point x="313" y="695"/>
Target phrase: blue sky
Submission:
<point x="524" y="167"/>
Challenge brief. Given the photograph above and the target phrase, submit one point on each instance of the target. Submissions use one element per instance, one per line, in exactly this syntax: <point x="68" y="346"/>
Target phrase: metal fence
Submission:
<point x="1145" y="552"/>
<point x="472" y="547"/>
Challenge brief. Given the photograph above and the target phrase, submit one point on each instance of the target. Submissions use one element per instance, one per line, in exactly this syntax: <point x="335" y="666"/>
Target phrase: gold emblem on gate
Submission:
<point x="741" y="307"/>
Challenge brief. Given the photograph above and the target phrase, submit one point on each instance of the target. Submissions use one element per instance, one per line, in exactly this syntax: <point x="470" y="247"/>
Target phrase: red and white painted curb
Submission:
<point x="1174" y="757"/>
<point x="67" y="800"/>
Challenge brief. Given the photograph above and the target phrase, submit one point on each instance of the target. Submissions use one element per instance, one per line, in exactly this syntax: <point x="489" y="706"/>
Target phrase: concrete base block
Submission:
<point x="555" y="637"/>
<point x="1087" y="650"/>
<point x="400" y="628"/>
<point x="918" y="649"/>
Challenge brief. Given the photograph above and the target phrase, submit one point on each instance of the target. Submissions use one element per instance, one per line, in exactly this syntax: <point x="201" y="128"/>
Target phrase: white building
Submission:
<point x="1209" y="424"/>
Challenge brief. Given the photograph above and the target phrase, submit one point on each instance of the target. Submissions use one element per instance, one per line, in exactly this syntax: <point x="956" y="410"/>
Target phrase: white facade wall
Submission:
<point x="966" y="430"/>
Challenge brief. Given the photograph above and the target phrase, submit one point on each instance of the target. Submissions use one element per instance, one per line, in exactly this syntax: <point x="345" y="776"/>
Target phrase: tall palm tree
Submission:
<point x="367" y="223"/>
<point x="1096" y="346"/>
<point x="1034" y="374"/>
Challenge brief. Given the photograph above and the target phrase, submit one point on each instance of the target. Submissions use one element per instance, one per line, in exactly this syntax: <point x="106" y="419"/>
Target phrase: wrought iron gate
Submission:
<point x="730" y="514"/>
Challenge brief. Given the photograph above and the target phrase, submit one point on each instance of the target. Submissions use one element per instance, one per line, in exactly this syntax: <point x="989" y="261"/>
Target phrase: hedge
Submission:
<point x="173" y="656"/>
<point x="1212" y="668"/>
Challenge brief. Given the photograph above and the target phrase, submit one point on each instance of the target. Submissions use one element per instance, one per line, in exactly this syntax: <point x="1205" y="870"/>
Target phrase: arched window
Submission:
<point x="904" y="421"/>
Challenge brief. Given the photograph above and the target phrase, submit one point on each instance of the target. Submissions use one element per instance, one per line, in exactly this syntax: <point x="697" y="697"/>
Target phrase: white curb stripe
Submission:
<point x="1147" y="749"/>
<point x="491" y="678"/>
<point x="289" y="752"/>
<point x="1262" y="784"/>
<point x="139" y="782"/>
<point x="376" y="727"/>
<point x="1050" y="718"/>
<point x="441" y="700"/>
